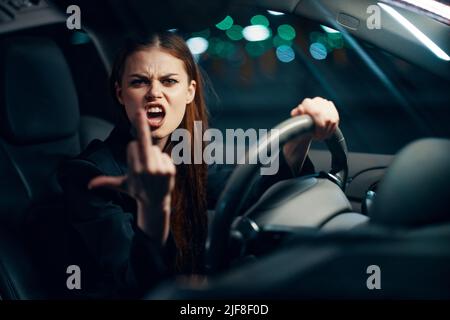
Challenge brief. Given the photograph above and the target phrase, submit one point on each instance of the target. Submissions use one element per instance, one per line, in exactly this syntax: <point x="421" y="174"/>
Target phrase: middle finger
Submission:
<point x="144" y="138"/>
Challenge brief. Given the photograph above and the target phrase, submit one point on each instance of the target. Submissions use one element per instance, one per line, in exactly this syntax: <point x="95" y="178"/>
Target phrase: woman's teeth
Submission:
<point x="155" y="115"/>
<point x="155" y="109"/>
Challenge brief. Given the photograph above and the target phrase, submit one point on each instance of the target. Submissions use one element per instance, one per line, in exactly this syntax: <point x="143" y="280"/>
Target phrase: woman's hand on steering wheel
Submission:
<point x="326" y="120"/>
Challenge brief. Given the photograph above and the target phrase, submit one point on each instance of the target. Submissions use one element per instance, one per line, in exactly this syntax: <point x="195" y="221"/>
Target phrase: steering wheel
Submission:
<point x="235" y="193"/>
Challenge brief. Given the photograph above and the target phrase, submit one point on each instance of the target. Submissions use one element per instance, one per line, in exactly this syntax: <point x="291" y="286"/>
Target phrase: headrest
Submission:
<point x="416" y="188"/>
<point x="38" y="100"/>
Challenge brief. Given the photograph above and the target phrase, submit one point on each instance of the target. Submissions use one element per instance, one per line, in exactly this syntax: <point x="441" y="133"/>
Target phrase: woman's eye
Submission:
<point x="169" y="81"/>
<point x="137" y="82"/>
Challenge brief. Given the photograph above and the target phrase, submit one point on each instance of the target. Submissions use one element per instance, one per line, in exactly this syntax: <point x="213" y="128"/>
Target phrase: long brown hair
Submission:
<point x="189" y="215"/>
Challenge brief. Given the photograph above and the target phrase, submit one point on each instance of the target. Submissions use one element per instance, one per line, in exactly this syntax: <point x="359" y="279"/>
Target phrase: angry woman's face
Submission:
<point x="157" y="82"/>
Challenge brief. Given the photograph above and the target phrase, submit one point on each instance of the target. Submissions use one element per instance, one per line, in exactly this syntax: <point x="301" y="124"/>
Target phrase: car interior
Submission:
<point x="380" y="194"/>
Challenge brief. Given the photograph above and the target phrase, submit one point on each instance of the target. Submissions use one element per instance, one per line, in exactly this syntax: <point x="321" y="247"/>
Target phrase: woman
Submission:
<point x="136" y="217"/>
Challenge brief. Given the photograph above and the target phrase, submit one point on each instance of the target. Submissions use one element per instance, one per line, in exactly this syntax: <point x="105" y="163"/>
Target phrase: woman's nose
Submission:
<point x="154" y="91"/>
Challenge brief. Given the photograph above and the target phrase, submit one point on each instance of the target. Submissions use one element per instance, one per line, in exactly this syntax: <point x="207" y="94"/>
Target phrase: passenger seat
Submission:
<point x="93" y="128"/>
<point x="39" y="127"/>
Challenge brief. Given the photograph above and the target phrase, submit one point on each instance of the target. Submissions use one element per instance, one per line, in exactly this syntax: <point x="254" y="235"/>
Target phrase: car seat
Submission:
<point x="39" y="118"/>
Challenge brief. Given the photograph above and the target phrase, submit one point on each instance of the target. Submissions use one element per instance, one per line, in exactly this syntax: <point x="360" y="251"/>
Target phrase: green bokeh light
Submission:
<point x="225" y="24"/>
<point x="321" y="38"/>
<point x="278" y="41"/>
<point x="220" y="48"/>
<point x="79" y="37"/>
<point x="215" y="46"/>
<point x="235" y="32"/>
<point x="286" y="32"/>
<point x="258" y="48"/>
<point x="259" y="20"/>
<point x="313" y="36"/>
<point x="335" y="40"/>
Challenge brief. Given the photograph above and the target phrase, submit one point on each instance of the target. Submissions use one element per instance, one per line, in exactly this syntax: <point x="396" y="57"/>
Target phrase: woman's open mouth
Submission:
<point x="155" y="116"/>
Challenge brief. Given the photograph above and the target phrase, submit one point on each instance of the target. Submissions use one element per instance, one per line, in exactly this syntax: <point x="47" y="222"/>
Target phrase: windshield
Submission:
<point x="264" y="63"/>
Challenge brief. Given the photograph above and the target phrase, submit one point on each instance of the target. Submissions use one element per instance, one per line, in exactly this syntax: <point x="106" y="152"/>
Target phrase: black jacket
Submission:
<point x="116" y="258"/>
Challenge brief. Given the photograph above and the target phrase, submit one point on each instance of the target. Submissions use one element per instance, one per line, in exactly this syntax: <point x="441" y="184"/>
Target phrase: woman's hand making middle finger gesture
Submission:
<point x="150" y="180"/>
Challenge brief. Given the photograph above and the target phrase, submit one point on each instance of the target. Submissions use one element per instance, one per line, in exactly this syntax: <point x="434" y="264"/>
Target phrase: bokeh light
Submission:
<point x="79" y="37"/>
<point x="286" y="32"/>
<point x="225" y="24"/>
<point x="256" y="49"/>
<point x="278" y="41"/>
<point x="235" y="32"/>
<point x="197" y="45"/>
<point x="335" y="40"/>
<point x="259" y="20"/>
<point x="256" y="33"/>
<point x="318" y="51"/>
<point x="321" y="38"/>
<point x="285" y="53"/>
<point x="220" y="48"/>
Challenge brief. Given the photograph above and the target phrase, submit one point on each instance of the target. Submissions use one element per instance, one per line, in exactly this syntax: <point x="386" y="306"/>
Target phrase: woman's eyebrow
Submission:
<point x="141" y="75"/>
<point x="169" y="75"/>
<point x="138" y="75"/>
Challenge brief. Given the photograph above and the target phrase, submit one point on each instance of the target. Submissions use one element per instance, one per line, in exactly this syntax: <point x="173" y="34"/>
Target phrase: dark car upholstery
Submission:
<point x="415" y="191"/>
<point x="39" y="127"/>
